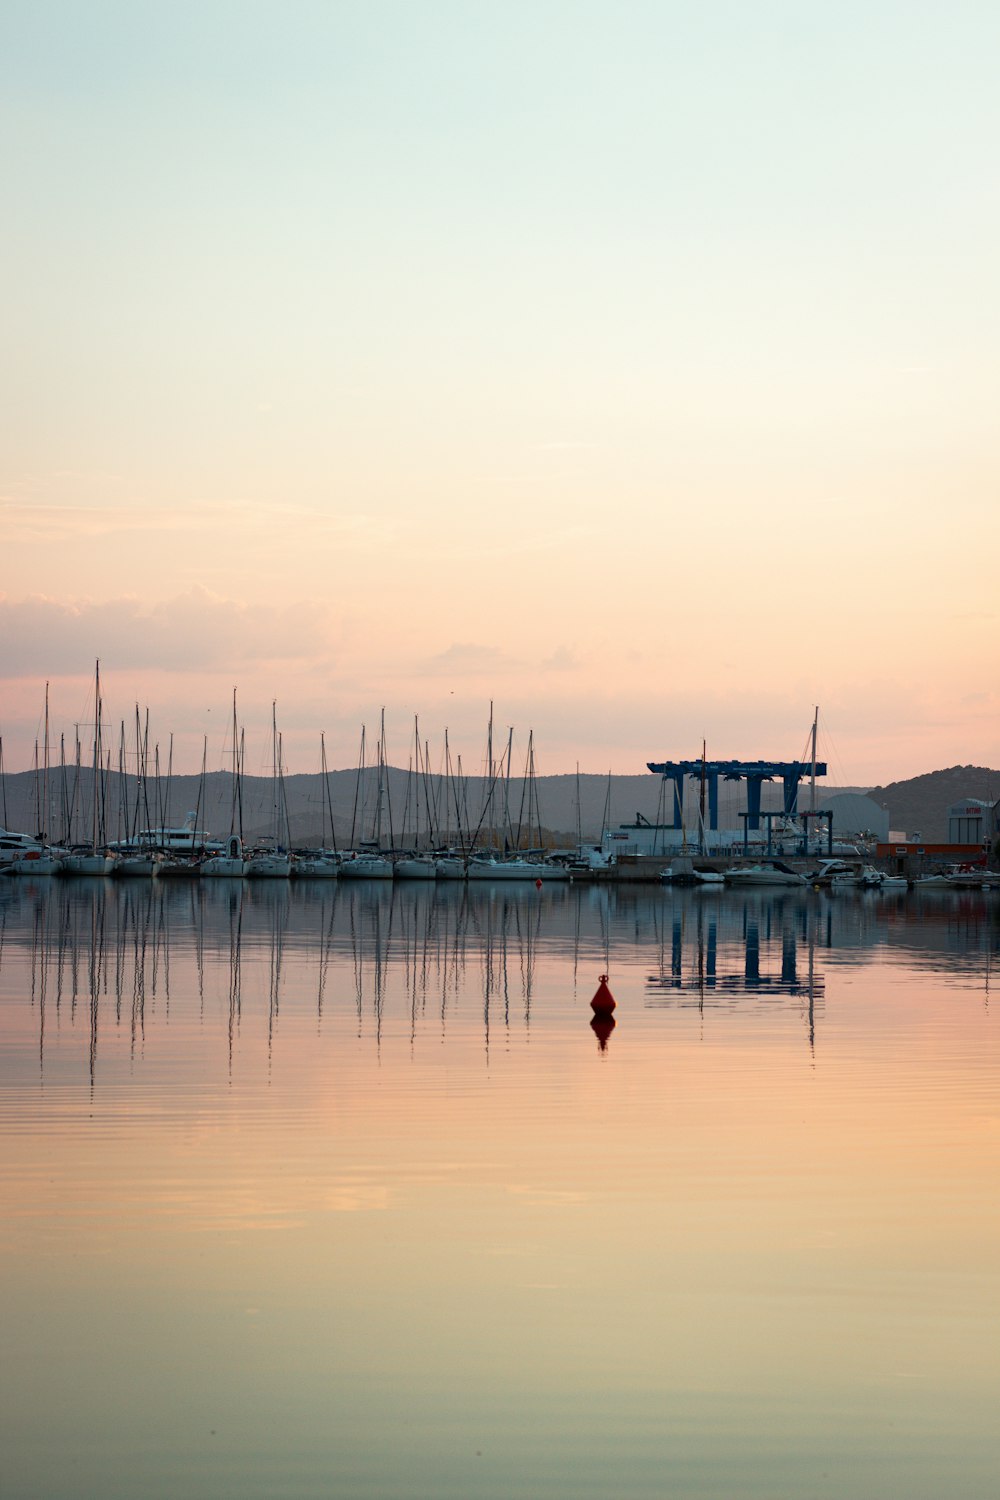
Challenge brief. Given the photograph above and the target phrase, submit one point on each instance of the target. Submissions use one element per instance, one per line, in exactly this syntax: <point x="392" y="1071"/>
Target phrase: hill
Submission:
<point x="921" y="804"/>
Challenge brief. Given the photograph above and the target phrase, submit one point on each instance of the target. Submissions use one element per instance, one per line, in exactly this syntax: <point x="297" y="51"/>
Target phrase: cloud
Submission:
<point x="196" y="631"/>
<point x="465" y="658"/>
<point x="35" y="521"/>
<point x="562" y="660"/>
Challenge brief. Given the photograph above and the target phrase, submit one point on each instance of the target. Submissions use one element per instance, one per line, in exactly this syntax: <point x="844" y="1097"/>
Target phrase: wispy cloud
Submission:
<point x="195" y="631"/>
<point x="467" y="659"/>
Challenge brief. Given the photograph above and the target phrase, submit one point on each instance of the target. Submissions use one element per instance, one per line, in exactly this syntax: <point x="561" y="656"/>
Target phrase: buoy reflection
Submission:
<point x="602" y="1026"/>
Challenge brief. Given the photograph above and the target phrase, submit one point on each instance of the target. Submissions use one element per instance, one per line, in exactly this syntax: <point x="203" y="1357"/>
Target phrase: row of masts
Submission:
<point x="439" y="804"/>
<point x="438" y="808"/>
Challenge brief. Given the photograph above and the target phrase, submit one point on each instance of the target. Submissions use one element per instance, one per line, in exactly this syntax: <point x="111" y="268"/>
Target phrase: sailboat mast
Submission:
<point x="45" y="782"/>
<point x="812" y="778"/>
<point x="97" y="753"/>
<point x="236" y="770"/>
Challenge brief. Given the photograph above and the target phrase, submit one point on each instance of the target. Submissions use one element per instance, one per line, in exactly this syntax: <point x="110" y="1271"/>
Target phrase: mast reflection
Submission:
<point x="411" y="958"/>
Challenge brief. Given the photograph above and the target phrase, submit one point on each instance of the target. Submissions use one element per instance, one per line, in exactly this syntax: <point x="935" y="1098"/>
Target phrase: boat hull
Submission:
<point x="367" y="867"/>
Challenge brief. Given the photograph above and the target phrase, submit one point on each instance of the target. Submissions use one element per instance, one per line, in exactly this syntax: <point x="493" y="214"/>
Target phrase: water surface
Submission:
<point x="320" y="1191"/>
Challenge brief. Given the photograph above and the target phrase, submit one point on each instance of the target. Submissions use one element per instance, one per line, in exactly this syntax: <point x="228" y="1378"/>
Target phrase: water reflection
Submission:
<point x="107" y="949"/>
<point x="325" y="1179"/>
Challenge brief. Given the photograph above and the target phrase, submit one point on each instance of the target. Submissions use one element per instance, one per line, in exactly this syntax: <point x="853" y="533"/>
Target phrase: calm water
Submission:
<point x="333" y="1191"/>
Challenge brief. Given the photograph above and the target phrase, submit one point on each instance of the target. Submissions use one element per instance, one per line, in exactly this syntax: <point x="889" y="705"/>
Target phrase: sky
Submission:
<point x="632" y="366"/>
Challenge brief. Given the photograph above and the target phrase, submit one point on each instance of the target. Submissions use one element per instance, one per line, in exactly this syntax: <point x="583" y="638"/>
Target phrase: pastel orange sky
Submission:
<point x="633" y="367"/>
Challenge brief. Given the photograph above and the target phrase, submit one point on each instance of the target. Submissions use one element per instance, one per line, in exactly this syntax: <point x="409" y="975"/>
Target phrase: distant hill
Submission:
<point x="921" y="804"/>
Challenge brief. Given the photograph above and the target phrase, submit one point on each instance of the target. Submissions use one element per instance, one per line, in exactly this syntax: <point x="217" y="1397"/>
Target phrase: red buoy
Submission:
<point x="603" y="1002"/>
<point x="538" y="883"/>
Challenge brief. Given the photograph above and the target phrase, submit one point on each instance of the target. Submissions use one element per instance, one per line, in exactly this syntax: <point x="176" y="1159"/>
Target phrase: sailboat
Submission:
<point x="415" y="866"/>
<point x="517" y="866"/>
<point x="322" y="863"/>
<point x="96" y="862"/>
<point x="274" y="863"/>
<point x="231" y="865"/>
<point x="370" y="863"/>
<point x="34" y="856"/>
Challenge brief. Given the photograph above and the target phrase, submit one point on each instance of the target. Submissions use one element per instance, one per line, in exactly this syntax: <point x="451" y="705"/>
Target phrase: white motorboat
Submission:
<point x="956" y="877"/>
<point x="185" y="839"/>
<point x="833" y="872"/>
<point x="894" y="883"/>
<point x="21" y="854"/>
<point x="761" y="875"/>
<point x="967" y="877"/>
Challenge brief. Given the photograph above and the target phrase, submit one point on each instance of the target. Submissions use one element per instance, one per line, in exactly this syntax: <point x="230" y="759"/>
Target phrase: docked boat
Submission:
<point x="135" y="865"/>
<point x="487" y="868"/>
<point x="367" y="867"/>
<point x="22" y="849"/>
<point x="35" y="861"/>
<point x="269" y="864"/>
<point x="316" y="864"/>
<point x="450" y="867"/>
<point x="271" y="860"/>
<point x="763" y="875"/>
<point x="87" y="862"/>
<point x="833" y="872"/>
<point x="228" y="866"/>
<point x="416" y="867"/>
<point x="176" y="867"/>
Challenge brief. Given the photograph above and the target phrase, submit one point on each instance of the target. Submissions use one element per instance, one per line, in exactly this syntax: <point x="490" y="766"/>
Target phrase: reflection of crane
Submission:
<point x="758" y="956"/>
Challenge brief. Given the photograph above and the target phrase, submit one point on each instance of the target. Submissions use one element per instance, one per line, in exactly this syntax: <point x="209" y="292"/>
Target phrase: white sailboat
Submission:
<point x="97" y="861"/>
<point x="273" y="863"/>
<point x="231" y="865"/>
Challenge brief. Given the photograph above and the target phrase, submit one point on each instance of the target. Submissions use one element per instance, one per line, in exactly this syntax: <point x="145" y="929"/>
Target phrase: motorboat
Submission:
<point x="833" y="872"/>
<point x="188" y="838"/>
<point x="763" y="874"/>
<point x="21" y="854"/>
<point x="955" y="878"/>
